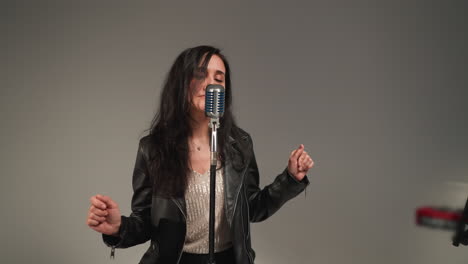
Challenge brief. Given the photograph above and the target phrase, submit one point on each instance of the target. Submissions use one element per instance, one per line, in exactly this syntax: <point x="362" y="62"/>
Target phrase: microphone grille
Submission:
<point x="214" y="100"/>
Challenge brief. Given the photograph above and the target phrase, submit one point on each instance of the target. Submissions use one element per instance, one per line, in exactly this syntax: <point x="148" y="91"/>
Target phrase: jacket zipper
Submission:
<point x="248" y="228"/>
<point x="112" y="255"/>
<point x="225" y="198"/>
<point x="185" y="235"/>
<point x="248" y="216"/>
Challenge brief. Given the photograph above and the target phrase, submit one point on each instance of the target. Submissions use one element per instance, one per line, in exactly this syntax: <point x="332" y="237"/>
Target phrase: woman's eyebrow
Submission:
<point x="220" y="72"/>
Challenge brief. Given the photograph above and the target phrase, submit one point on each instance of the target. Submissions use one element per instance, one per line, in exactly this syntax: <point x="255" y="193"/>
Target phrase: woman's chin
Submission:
<point x="201" y="108"/>
<point x="198" y="110"/>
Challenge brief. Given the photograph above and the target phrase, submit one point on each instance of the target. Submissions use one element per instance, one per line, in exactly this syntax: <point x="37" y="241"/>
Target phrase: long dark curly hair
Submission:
<point x="170" y="127"/>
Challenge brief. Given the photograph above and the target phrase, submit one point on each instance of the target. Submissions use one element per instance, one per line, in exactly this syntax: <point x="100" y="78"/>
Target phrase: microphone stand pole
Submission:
<point x="214" y="123"/>
<point x="214" y="108"/>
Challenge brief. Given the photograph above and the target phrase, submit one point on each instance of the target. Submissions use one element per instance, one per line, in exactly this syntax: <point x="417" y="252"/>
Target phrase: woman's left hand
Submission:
<point x="299" y="163"/>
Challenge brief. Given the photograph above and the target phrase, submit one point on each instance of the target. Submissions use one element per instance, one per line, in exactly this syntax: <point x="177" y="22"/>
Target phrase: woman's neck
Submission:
<point x="199" y="126"/>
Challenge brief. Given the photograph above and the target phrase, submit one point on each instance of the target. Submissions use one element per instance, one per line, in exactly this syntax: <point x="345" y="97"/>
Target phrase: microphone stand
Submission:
<point x="214" y="124"/>
<point x="214" y="108"/>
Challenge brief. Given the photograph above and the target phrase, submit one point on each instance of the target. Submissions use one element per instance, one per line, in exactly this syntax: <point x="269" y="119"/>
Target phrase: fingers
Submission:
<point x="293" y="158"/>
<point x="108" y="202"/>
<point x="299" y="160"/>
<point x="302" y="158"/>
<point x="98" y="203"/>
<point x="94" y="219"/>
<point x="93" y="216"/>
<point x="298" y="152"/>
<point x="305" y="162"/>
<point x="98" y="210"/>
<point x="91" y="222"/>
<point x="306" y="165"/>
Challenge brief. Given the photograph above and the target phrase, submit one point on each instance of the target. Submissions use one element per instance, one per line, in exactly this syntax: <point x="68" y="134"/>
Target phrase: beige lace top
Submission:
<point x="197" y="198"/>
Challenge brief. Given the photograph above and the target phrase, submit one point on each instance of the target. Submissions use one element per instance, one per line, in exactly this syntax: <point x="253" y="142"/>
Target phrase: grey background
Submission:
<point x="376" y="91"/>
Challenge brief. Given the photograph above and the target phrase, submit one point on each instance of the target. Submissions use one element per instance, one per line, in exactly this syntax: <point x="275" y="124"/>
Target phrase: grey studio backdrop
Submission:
<point x="376" y="91"/>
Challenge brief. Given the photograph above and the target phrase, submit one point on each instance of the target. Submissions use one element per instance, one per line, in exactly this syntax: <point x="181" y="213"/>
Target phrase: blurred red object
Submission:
<point x="438" y="217"/>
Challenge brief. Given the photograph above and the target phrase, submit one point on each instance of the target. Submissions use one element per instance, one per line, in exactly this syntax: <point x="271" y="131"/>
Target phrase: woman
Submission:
<point x="171" y="176"/>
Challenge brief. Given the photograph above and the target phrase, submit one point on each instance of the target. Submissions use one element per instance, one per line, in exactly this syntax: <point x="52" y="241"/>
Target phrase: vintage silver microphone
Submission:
<point x="214" y="109"/>
<point x="214" y="101"/>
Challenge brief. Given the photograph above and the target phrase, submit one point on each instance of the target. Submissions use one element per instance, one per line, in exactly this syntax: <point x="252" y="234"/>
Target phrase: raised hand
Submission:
<point x="104" y="215"/>
<point x="299" y="163"/>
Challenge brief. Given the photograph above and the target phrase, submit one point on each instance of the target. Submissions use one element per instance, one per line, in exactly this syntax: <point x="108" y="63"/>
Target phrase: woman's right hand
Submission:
<point x="104" y="215"/>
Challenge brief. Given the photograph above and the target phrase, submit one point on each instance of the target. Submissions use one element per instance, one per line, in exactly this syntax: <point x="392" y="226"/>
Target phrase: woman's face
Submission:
<point x="214" y="74"/>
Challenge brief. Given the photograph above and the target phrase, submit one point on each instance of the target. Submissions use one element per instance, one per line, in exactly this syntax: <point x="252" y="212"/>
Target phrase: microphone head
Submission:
<point x="214" y="100"/>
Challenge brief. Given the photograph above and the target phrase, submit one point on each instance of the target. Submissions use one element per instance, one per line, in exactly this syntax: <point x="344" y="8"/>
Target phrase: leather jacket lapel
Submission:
<point x="232" y="184"/>
<point x="180" y="202"/>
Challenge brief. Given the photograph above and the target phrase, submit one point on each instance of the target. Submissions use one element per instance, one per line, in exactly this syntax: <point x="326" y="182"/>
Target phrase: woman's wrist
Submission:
<point x="116" y="233"/>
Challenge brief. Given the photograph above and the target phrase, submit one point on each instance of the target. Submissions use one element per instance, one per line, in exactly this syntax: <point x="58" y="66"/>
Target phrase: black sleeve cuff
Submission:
<point x="304" y="180"/>
<point x="110" y="240"/>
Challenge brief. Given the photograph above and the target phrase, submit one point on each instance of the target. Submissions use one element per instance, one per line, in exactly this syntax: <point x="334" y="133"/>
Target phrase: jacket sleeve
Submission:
<point x="136" y="228"/>
<point x="265" y="202"/>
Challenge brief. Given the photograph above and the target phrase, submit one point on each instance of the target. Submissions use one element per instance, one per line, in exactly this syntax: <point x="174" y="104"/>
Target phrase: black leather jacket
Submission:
<point x="163" y="221"/>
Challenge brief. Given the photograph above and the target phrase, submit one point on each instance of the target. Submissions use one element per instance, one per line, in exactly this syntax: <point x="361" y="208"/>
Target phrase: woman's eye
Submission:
<point x="218" y="80"/>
